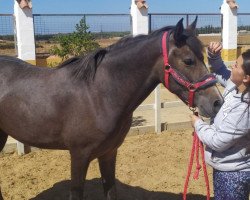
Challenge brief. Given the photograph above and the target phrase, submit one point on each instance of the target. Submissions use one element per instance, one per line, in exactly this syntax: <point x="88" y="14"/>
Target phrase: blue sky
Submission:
<point x="122" y="6"/>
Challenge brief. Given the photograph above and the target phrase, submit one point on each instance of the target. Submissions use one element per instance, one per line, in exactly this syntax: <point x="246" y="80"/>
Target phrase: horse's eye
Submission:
<point x="188" y="61"/>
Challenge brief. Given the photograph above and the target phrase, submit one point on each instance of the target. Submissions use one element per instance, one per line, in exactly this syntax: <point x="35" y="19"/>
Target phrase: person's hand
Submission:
<point x="214" y="48"/>
<point x="194" y="118"/>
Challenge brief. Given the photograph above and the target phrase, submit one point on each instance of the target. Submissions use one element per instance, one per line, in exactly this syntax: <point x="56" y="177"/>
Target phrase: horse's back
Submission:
<point x="9" y="61"/>
<point x="12" y="68"/>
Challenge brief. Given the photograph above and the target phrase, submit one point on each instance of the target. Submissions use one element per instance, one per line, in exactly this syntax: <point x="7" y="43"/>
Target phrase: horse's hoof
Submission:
<point x="112" y="195"/>
<point x="74" y="197"/>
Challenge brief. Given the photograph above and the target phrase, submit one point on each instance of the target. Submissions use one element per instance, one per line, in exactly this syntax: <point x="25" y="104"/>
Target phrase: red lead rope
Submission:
<point x="197" y="145"/>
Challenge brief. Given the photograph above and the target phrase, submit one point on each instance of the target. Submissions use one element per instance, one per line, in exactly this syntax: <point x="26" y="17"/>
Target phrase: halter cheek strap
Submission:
<point x="165" y="59"/>
<point x="207" y="80"/>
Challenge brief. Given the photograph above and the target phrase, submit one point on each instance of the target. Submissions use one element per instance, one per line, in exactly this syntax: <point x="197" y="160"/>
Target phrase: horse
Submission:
<point x="85" y="104"/>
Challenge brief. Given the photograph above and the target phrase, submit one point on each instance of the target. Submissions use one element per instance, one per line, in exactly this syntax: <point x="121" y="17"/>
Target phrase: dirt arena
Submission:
<point x="149" y="167"/>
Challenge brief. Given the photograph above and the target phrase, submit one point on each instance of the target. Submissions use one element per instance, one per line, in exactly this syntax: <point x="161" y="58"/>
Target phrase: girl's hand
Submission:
<point x="194" y="118"/>
<point x="214" y="48"/>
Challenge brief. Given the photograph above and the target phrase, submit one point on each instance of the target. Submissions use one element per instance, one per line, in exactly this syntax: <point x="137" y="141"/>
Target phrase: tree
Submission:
<point x="77" y="43"/>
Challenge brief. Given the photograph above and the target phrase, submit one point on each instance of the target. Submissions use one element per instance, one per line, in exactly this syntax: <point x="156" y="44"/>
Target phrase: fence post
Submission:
<point x="140" y="25"/>
<point x="25" y="33"/>
<point x="25" y="41"/>
<point x="139" y="16"/>
<point x="229" y="31"/>
<point x="157" y="108"/>
<point x="187" y="22"/>
<point x="20" y="148"/>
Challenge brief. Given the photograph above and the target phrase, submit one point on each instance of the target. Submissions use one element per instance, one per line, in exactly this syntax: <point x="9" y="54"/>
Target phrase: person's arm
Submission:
<point x="226" y="132"/>
<point x="217" y="65"/>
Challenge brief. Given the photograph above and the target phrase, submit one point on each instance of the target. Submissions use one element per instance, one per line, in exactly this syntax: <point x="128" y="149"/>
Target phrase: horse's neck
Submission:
<point x="132" y="77"/>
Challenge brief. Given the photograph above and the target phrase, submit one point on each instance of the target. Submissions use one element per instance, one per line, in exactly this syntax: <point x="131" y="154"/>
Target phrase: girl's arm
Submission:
<point x="217" y="65"/>
<point x="224" y="133"/>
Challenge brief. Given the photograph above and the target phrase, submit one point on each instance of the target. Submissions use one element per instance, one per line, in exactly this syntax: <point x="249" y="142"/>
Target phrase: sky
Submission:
<point x="122" y="6"/>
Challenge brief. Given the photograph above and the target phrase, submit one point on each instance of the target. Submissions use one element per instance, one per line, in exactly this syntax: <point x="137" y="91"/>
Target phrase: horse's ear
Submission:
<point x="178" y="32"/>
<point x="193" y="25"/>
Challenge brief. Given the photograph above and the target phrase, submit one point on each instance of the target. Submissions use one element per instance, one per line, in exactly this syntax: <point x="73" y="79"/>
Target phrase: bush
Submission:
<point x="74" y="44"/>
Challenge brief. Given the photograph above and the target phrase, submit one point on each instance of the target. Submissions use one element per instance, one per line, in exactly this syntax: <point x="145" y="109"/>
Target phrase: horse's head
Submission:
<point x="186" y="74"/>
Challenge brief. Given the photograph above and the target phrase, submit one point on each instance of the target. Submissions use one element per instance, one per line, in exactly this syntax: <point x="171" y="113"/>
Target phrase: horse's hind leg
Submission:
<point x="3" y="139"/>
<point x="79" y="165"/>
<point x="107" y="168"/>
<point x="1" y="197"/>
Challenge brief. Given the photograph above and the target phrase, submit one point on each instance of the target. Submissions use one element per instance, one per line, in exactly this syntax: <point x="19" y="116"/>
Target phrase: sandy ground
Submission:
<point x="149" y="167"/>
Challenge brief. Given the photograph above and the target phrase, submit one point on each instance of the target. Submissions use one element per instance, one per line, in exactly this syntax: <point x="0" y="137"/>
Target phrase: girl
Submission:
<point x="227" y="140"/>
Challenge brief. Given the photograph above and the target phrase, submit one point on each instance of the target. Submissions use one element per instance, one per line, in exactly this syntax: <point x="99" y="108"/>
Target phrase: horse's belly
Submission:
<point x="41" y="134"/>
<point x="31" y="123"/>
<point x="38" y="138"/>
<point x="113" y="139"/>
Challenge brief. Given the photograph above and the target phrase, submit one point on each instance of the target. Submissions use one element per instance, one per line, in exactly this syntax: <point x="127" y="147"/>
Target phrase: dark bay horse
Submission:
<point x="85" y="105"/>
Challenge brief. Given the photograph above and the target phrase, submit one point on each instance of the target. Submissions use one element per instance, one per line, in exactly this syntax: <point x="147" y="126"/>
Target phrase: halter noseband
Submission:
<point x="207" y="80"/>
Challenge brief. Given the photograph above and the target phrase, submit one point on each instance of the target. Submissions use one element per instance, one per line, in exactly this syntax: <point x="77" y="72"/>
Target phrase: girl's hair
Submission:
<point x="246" y="68"/>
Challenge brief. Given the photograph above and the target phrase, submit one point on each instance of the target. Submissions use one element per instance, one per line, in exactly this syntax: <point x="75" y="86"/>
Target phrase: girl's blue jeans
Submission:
<point x="231" y="185"/>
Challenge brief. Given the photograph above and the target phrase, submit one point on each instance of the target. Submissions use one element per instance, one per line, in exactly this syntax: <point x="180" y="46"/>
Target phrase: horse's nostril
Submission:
<point x="217" y="105"/>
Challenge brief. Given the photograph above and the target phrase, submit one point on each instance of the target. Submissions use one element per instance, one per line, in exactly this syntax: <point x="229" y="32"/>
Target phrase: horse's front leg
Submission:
<point x="107" y="168"/>
<point x="79" y="165"/>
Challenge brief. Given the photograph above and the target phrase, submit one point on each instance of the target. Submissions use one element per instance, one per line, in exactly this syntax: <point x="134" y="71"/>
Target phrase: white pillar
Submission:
<point x="20" y="148"/>
<point x="157" y="108"/>
<point x="25" y="43"/>
<point x="139" y="15"/>
<point x="25" y="33"/>
<point x="229" y="32"/>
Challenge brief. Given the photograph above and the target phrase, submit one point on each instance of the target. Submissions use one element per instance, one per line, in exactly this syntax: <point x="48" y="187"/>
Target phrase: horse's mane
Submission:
<point x="126" y="41"/>
<point x="84" y="67"/>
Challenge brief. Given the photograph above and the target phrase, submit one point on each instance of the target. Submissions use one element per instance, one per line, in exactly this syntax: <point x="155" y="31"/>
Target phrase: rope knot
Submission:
<point x="197" y="171"/>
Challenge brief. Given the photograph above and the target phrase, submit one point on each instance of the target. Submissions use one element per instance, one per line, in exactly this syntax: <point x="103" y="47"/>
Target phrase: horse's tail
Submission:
<point x="3" y="140"/>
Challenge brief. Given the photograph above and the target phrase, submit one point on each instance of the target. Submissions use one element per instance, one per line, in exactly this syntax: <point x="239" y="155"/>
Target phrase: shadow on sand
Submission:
<point x="138" y="121"/>
<point x="93" y="191"/>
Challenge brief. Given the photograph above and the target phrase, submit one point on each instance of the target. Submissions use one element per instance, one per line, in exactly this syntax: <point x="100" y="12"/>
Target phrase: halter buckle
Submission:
<point x="191" y="87"/>
<point x="167" y="67"/>
<point x="193" y="109"/>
